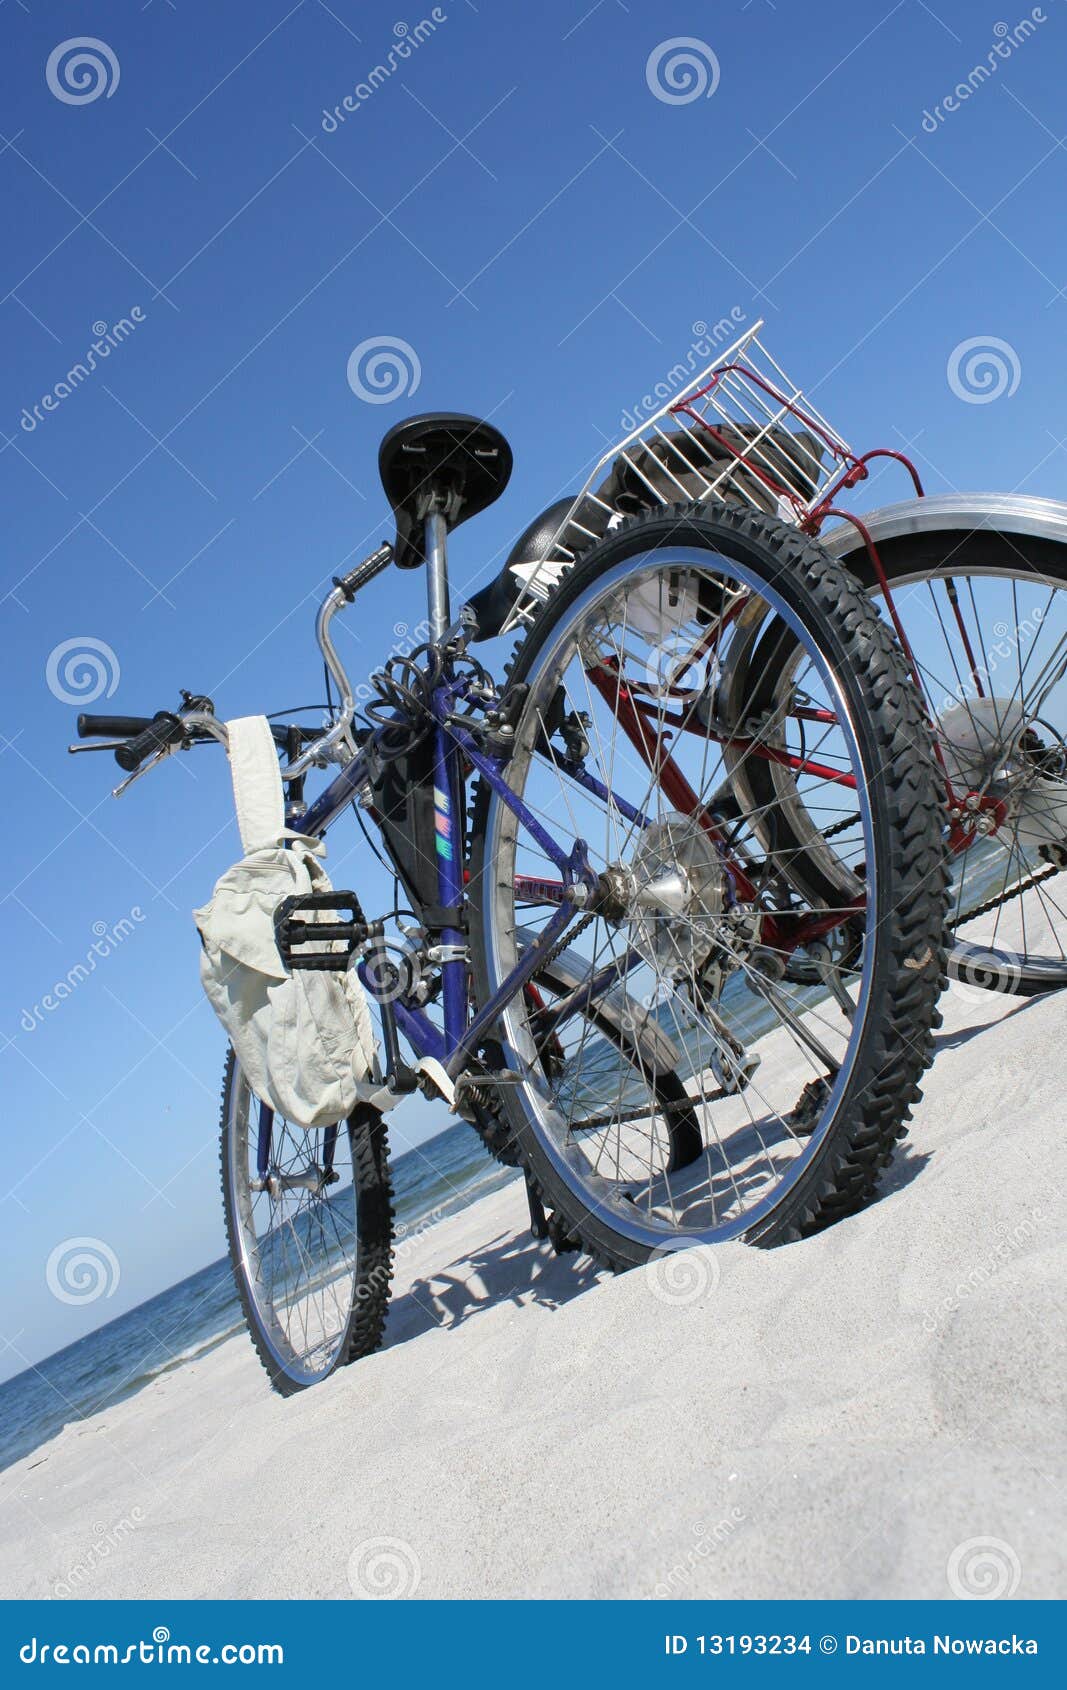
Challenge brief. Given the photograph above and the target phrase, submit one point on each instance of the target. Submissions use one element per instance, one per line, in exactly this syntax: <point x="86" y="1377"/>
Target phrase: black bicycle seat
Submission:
<point x="443" y="462"/>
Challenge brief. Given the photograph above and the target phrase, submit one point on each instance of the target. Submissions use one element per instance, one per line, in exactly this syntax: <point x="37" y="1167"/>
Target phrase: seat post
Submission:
<point x="440" y="617"/>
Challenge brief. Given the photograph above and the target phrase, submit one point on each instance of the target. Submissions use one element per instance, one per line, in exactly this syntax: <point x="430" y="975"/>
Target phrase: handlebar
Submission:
<point x="111" y="727"/>
<point x="345" y="588"/>
<point x="164" y="729"/>
<point x="364" y="572"/>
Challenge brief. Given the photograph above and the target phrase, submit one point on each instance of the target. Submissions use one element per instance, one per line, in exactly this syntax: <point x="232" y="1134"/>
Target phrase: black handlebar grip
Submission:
<point x="111" y="727"/>
<point x="161" y="731"/>
<point x="351" y="583"/>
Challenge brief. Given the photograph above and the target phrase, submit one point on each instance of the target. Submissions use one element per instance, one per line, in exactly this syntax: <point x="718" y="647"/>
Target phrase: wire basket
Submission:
<point x="740" y="430"/>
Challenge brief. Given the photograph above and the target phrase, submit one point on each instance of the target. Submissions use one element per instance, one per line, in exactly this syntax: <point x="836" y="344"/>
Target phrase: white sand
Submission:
<point x="832" y="1419"/>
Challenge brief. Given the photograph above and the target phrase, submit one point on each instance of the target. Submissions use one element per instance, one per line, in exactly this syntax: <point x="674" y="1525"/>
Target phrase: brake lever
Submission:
<point x="124" y="785"/>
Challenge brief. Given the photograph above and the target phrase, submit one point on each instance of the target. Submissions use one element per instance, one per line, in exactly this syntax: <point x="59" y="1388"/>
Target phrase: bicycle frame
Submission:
<point x="453" y="744"/>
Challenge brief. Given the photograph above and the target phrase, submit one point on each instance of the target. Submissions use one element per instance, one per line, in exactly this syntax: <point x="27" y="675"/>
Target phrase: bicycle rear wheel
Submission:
<point x="986" y="617"/>
<point x="987" y="620"/>
<point x="309" y="1223"/>
<point x="793" y="1027"/>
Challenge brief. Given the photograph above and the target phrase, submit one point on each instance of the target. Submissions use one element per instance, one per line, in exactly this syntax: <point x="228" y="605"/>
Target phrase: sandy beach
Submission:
<point x="876" y="1412"/>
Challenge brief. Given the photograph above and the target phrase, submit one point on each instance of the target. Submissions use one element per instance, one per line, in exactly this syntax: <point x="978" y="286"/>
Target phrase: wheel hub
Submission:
<point x="992" y="751"/>
<point x="673" y="900"/>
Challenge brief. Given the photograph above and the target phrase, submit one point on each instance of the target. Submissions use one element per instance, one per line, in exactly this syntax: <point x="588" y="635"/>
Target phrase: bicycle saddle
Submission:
<point x="443" y="462"/>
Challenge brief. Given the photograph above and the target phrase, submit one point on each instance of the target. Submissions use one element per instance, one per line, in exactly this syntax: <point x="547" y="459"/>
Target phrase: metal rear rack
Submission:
<point x="739" y="430"/>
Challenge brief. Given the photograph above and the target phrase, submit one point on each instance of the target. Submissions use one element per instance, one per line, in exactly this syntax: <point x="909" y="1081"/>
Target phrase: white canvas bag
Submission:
<point x="303" y="1039"/>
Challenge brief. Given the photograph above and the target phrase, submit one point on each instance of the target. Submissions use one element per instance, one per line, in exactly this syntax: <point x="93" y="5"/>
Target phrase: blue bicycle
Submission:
<point x="690" y="1014"/>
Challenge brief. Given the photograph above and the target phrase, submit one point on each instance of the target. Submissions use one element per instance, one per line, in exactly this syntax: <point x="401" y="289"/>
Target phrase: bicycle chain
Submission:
<point x="565" y="943"/>
<point x="1006" y="897"/>
<point x="991" y="904"/>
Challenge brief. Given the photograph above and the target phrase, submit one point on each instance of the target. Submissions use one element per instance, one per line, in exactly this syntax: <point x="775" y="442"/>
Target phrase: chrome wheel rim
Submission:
<point x="296" y="1249"/>
<point x="653" y="1205"/>
<point x="1003" y="635"/>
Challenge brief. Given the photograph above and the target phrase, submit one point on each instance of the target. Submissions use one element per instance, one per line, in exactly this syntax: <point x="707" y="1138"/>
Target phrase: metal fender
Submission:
<point x="962" y="513"/>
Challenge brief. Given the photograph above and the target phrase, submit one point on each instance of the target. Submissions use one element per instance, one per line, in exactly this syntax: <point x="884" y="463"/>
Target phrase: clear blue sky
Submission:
<point x="515" y="203"/>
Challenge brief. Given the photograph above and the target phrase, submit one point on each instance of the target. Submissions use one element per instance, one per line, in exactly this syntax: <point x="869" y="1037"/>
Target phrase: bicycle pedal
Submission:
<point x="292" y="935"/>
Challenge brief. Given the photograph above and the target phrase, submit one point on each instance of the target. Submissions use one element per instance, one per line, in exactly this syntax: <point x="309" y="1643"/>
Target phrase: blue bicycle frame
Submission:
<point x="452" y="744"/>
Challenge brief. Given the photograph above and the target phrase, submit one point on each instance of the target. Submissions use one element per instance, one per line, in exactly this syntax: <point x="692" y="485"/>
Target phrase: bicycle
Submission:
<point x="973" y="586"/>
<point x="689" y="1010"/>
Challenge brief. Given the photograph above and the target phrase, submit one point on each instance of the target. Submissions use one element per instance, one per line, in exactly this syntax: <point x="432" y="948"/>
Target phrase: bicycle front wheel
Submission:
<point x="309" y="1223"/>
<point x="778" y="1000"/>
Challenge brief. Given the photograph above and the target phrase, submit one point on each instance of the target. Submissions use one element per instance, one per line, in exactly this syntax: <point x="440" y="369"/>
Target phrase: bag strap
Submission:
<point x="257" y="785"/>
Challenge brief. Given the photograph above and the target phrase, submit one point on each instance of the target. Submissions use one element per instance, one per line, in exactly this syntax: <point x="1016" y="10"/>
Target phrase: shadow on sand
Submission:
<point x="964" y="1035"/>
<point x="511" y="1268"/>
<point x="515" y="1268"/>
